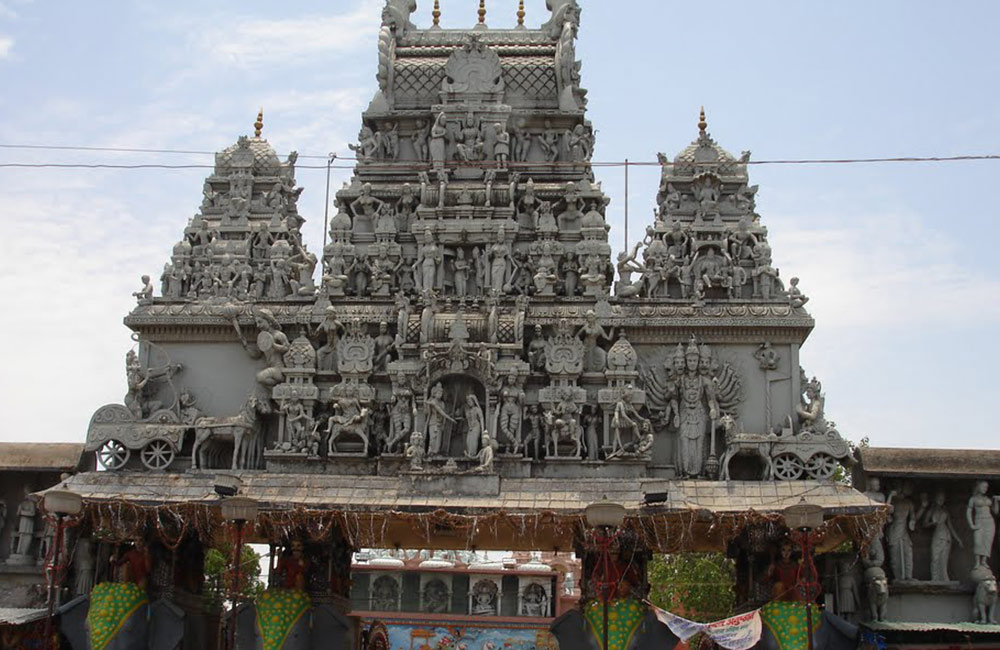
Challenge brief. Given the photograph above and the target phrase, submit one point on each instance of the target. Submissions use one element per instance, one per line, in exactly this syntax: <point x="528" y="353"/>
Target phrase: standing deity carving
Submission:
<point x="332" y="328"/>
<point x="400" y="413"/>
<point x="475" y="425"/>
<point x="436" y="415"/>
<point x="512" y="403"/>
<point x="980" y="514"/>
<point x="698" y="408"/>
<point x="937" y="518"/>
<point x="439" y="132"/>
<point x="902" y="522"/>
<point x="500" y="263"/>
<point x="21" y="539"/>
<point x="592" y="332"/>
<point x="429" y="258"/>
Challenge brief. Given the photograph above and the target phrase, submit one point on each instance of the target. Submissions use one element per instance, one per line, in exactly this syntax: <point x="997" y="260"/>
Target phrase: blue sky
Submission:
<point x="900" y="260"/>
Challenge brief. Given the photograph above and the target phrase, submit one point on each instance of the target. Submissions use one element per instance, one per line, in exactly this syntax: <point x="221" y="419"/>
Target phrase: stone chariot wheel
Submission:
<point x="787" y="467"/>
<point x="157" y="454"/>
<point x="821" y="466"/>
<point x="113" y="455"/>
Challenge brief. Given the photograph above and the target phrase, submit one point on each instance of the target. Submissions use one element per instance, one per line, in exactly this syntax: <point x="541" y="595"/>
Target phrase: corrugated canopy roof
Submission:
<point x="20" y="615"/>
<point x="958" y="463"/>
<point x="391" y="509"/>
<point x="28" y="456"/>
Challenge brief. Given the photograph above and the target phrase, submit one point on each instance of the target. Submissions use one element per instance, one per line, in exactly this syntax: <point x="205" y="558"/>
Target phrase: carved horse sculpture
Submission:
<point x="240" y="429"/>
<point x="561" y="428"/>
<point x="746" y="443"/>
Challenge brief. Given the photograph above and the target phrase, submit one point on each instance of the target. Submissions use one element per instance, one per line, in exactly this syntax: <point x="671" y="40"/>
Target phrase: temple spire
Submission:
<point x="436" y="14"/>
<point x="482" y="12"/>
<point x="520" y="14"/>
<point x="258" y="126"/>
<point x="702" y="124"/>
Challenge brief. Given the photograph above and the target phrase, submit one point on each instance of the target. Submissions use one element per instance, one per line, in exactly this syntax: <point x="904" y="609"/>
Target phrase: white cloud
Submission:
<point x="6" y="44"/>
<point x="882" y="271"/>
<point x="248" y="42"/>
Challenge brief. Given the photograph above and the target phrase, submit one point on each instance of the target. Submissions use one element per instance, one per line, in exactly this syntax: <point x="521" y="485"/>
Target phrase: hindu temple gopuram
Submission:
<point x="465" y="365"/>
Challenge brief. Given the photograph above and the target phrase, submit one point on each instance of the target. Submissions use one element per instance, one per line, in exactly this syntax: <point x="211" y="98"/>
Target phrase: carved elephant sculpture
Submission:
<point x="159" y="626"/>
<point x="320" y="627"/>
<point x="573" y="632"/>
<point x="833" y="633"/>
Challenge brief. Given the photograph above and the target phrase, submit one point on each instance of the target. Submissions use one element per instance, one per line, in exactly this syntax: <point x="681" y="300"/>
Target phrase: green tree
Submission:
<point x="219" y="576"/>
<point x="698" y="586"/>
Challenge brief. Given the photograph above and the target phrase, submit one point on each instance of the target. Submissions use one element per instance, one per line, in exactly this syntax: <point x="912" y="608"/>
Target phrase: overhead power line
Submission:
<point x="518" y="166"/>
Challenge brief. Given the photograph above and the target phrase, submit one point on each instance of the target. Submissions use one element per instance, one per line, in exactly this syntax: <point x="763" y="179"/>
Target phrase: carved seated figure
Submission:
<point x="349" y="418"/>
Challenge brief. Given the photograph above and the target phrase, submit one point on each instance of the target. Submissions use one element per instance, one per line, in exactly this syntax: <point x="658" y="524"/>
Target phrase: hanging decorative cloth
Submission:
<point x="787" y="622"/>
<point x="624" y="618"/>
<point x="111" y="606"/>
<point x="278" y="610"/>
<point x="740" y="632"/>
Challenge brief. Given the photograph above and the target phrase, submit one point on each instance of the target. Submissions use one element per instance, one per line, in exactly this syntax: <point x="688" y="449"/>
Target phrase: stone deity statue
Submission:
<point x="83" y="566"/>
<point x="510" y="412"/>
<point x="500" y="260"/>
<point x="487" y="453"/>
<point x="475" y="423"/>
<point x="437" y="143"/>
<point x="937" y="517"/>
<point x="21" y="539"/>
<point x="415" y="451"/>
<point x="698" y="408"/>
<point x="436" y="416"/>
<point x="594" y="358"/>
<point x="980" y="514"/>
<point x="429" y="258"/>
<point x="902" y="522"/>
<point x="144" y="296"/>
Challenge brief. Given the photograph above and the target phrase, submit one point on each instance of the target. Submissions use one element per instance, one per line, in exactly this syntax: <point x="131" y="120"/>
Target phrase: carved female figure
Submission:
<point x="480" y="266"/>
<point x="510" y="412"/>
<point x="570" y="274"/>
<point x="20" y="541"/>
<point x="426" y="267"/>
<point x="419" y="139"/>
<point x="580" y="146"/>
<point x="475" y="423"/>
<point x="405" y="208"/>
<point x="980" y="514"/>
<point x="273" y="344"/>
<point x="902" y="522"/>
<point x="937" y="518"/>
<point x="400" y="418"/>
<point x="326" y="355"/>
<point x="461" y="275"/>
<point x="501" y="149"/>
<point x="522" y="141"/>
<point x="437" y="142"/>
<point x="436" y="416"/>
<point x="365" y="207"/>
<point x="594" y="358"/>
<point x="499" y="263"/>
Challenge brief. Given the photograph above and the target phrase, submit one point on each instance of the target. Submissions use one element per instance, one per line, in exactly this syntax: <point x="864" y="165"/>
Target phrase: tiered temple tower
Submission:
<point x="468" y="347"/>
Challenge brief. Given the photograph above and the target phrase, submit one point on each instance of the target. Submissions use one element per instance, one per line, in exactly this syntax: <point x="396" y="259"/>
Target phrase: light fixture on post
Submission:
<point x="238" y="510"/>
<point x="605" y="517"/>
<point x="59" y="504"/>
<point x="802" y="519"/>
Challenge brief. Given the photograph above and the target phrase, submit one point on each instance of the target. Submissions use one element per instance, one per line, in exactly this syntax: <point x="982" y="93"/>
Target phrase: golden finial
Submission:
<point x="702" y="124"/>
<point x="482" y="12"/>
<point x="258" y="126"/>
<point x="436" y="14"/>
<point x="520" y="13"/>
